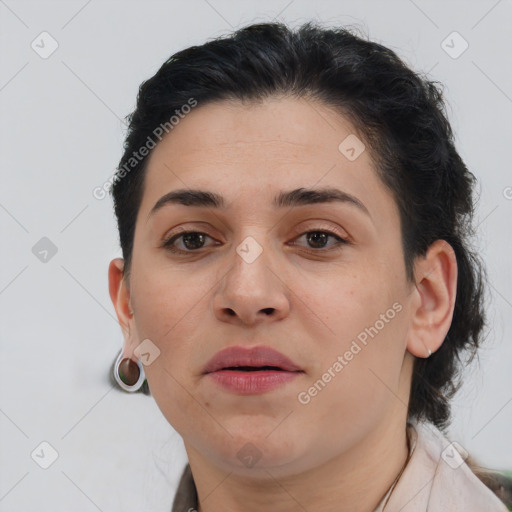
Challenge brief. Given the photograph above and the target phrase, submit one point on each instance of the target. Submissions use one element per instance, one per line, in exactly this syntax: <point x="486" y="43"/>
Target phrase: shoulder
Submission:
<point x="454" y="486"/>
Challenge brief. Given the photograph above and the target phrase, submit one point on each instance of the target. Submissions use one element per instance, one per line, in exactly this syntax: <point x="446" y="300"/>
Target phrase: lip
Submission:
<point x="250" y="356"/>
<point x="221" y="369"/>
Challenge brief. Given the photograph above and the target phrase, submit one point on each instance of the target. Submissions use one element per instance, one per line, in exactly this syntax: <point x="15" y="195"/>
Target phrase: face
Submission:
<point x="321" y="282"/>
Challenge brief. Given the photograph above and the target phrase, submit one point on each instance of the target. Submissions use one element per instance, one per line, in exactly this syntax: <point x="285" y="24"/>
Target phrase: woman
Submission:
<point x="296" y="283"/>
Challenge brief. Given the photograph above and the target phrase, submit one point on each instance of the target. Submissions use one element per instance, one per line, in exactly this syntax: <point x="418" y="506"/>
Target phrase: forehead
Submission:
<point x="281" y="127"/>
<point x="254" y="150"/>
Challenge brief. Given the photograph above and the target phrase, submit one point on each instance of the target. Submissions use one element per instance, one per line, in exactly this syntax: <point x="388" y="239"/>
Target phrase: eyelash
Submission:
<point x="168" y="244"/>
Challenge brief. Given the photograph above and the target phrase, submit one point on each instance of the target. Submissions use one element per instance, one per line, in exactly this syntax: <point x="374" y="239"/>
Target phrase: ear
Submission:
<point x="434" y="299"/>
<point x="120" y="296"/>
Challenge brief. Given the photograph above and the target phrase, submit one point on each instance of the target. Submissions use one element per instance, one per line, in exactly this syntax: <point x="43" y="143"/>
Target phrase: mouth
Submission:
<point x="250" y="359"/>
<point x="253" y="370"/>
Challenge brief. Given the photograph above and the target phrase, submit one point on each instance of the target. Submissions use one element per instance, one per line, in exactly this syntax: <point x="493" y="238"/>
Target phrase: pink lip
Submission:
<point x="221" y="368"/>
<point x="249" y="356"/>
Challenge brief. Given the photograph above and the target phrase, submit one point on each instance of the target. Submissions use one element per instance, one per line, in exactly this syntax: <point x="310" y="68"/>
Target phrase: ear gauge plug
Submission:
<point x="128" y="374"/>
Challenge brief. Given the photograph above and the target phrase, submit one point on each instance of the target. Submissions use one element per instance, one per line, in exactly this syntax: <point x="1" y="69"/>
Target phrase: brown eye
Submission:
<point x="318" y="240"/>
<point x="191" y="240"/>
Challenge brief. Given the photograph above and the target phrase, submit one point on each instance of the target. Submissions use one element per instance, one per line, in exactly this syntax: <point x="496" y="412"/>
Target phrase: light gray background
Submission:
<point x="61" y="136"/>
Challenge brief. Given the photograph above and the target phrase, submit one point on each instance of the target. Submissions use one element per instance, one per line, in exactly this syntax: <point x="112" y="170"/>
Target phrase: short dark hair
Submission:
<point x="398" y="113"/>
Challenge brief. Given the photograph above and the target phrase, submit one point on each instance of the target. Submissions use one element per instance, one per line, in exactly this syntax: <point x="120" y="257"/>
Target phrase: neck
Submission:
<point x="355" y="480"/>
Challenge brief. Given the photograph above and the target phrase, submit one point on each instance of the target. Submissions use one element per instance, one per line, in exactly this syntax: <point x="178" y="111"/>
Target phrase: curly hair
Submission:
<point x="398" y="113"/>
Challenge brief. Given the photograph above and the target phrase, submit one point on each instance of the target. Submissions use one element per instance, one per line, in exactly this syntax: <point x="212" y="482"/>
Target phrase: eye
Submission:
<point x="318" y="240"/>
<point x="192" y="240"/>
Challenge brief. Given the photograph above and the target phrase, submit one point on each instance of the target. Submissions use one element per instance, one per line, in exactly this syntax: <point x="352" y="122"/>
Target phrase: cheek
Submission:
<point x="352" y="305"/>
<point x="354" y="394"/>
<point x="175" y="399"/>
<point x="170" y="316"/>
<point x="165" y="302"/>
<point x="365" y="343"/>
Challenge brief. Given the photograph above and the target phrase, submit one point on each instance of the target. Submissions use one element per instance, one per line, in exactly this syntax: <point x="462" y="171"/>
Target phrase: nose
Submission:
<point x="252" y="291"/>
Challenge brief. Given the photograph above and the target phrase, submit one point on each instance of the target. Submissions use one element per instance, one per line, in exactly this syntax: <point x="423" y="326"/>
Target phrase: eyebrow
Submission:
<point x="292" y="198"/>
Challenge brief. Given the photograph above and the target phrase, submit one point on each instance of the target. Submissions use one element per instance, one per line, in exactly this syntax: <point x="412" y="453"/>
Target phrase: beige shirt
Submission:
<point x="435" y="479"/>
